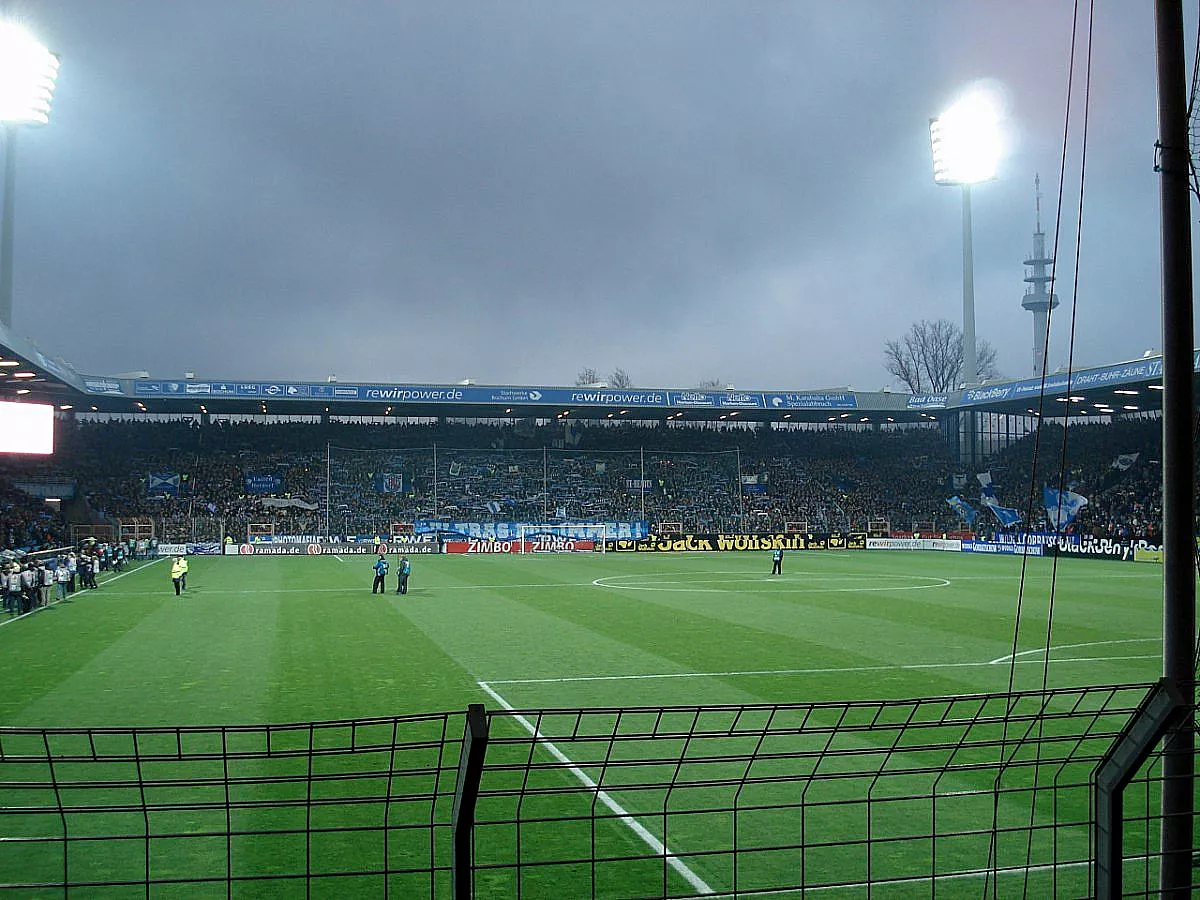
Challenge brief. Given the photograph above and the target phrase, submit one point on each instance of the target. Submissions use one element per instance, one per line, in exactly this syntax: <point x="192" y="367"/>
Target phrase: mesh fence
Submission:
<point x="983" y="795"/>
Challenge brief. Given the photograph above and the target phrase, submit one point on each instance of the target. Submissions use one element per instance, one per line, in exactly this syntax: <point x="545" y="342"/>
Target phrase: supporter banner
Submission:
<point x="287" y="503"/>
<point x="391" y="483"/>
<point x="511" y="531"/>
<point x="331" y="549"/>
<point x="1043" y="538"/>
<point x="341" y="540"/>
<point x="913" y="544"/>
<point x="262" y="483"/>
<point x="1008" y="549"/>
<point x="540" y="545"/>
<point x="682" y="543"/>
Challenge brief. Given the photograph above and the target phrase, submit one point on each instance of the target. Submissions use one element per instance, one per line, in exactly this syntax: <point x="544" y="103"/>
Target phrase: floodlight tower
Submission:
<point x="27" y="75"/>
<point x="966" y="151"/>
<point x="1038" y="299"/>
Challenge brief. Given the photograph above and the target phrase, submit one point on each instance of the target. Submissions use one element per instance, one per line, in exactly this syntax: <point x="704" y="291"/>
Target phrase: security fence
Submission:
<point x="990" y="795"/>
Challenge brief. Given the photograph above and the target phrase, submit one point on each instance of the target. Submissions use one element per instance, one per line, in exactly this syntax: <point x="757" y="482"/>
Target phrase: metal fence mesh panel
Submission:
<point x="273" y="811"/>
<point x="983" y="795"/>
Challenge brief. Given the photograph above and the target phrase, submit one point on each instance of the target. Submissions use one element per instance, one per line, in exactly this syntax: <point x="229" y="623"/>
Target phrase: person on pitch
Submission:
<point x="381" y="570"/>
<point x="177" y="573"/>
<point x="777" y="561"/>
<point x="402" y="572"/>
<point x="183" y="580"/>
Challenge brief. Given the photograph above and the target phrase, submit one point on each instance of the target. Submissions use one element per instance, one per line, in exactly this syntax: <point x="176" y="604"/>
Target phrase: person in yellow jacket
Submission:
<point x="183" y="580"/>
<point x="178" y="573"/>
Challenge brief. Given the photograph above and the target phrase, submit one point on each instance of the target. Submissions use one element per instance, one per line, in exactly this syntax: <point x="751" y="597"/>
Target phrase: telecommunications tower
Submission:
<point x="1038" y="299"/>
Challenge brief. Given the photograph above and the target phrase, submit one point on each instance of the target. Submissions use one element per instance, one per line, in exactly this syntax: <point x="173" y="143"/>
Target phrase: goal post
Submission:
<point x="580" y="538"/>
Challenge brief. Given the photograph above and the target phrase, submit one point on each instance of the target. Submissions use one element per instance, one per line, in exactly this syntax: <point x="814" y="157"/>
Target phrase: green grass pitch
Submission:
<point x="282" y="640"/>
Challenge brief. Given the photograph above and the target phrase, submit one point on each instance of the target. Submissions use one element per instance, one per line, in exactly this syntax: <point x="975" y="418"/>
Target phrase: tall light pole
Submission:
<point x="27" y="75"/>
<point x="967" y="144"/>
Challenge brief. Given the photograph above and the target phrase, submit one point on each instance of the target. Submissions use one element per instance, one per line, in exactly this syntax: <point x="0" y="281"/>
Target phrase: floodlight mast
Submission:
<point x="28" y="72"/>
<point x="966" y="150"/>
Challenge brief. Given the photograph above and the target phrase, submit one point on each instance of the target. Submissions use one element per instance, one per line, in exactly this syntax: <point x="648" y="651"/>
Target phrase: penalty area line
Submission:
<point x="1016" y="657"/>
<point x="831" y="670"/>
<point x="660" y="849"/>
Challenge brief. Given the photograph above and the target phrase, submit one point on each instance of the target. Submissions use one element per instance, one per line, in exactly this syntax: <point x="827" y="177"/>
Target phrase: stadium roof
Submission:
<point x="29" y="374"/>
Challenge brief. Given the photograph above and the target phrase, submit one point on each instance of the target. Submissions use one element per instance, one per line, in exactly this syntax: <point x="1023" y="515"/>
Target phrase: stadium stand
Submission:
<point x="758" y="480"/>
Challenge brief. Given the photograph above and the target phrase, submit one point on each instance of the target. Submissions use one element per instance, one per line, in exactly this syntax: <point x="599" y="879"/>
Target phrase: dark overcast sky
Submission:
<point x="508" y="191"/>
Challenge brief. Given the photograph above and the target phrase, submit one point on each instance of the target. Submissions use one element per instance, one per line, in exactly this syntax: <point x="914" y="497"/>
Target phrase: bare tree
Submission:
<point x="586" y="376"/>
<point x="711" y="384"/>
<point x="928" y="357"/>
<point x="620" y="379"/>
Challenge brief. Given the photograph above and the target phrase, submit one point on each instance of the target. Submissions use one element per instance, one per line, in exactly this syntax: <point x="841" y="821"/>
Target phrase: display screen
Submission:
<point x="26" y="428"/>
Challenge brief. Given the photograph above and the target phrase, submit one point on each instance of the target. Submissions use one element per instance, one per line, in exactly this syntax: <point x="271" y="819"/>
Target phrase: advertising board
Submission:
<point x="711" y="543"/>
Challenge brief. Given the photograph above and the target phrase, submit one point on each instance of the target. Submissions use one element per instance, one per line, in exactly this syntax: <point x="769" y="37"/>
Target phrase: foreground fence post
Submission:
<point x="466" y="792"/>
<point x="1160" y="710"/>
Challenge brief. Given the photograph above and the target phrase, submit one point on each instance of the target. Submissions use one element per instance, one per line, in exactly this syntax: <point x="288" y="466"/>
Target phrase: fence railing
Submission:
<point x="979" y="795"/>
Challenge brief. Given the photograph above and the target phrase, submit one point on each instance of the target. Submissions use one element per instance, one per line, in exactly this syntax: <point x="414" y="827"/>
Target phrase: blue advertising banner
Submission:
<point x="1139" y="370"/>
<point x="845" y="400"/>
<point x="928" y="401"/>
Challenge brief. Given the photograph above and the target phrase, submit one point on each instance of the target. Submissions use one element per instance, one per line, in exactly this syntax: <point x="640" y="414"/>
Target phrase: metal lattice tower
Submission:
<point x="1038" y="298"/>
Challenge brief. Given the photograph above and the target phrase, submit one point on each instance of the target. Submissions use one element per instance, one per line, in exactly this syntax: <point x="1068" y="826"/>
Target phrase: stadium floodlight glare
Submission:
<point x="27" y="75"/>
<point x="967" y="143"/>
<point x="967" y="139"/>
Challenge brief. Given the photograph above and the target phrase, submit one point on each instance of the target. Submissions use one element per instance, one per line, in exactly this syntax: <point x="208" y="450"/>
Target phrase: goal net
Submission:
<point x="582" y="538"/>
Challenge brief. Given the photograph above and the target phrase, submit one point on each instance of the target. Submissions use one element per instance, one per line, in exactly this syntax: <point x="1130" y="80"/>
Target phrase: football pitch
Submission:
<point x="268" y="640"/>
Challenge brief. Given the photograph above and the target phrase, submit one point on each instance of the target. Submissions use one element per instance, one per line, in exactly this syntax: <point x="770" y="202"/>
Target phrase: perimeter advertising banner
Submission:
<point x="684" y="543"/>
<point x="538" y="545"/>
<point x="328" y="549"/>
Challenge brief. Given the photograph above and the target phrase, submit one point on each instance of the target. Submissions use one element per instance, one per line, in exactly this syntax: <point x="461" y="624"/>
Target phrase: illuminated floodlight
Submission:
<point x="27" y="75"/>
<point x="968" y="139"/>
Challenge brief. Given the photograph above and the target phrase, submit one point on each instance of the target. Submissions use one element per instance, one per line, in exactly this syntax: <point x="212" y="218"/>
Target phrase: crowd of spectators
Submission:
<point x="213" y="480"/>
<point x="27" y="523"/>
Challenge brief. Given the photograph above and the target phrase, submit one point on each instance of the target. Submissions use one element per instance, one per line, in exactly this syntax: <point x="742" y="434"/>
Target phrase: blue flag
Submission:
<point x="1006" y="515"/>
<point x="965" y="510"/>
<point x="1062" y="506"/>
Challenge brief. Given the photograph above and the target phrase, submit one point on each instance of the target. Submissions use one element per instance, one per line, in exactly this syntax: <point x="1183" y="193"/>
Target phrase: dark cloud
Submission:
<point x="508" y="191"/>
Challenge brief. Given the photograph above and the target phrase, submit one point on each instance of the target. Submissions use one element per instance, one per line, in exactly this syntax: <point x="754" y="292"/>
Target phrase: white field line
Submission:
<point x="86" y="590"/>
<point x="1044" y="650"/>
<point x="831" y="670"/>
<point x="658" y="847"/>
<point x="921" y="879"/>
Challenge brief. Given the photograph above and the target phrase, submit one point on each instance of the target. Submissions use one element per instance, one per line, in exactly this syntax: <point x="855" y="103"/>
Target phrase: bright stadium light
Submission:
<point x="967" y="139"/>
<point x="968" y="142"/>
<point x="27" y="75"/>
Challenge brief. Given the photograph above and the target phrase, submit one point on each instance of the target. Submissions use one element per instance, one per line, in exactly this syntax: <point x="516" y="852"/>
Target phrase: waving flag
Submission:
<point x="1125" y="461"/>
<point x="1062" y="506"/>
<point x="1005" y="515"/>
<point x="965" y="510"/>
